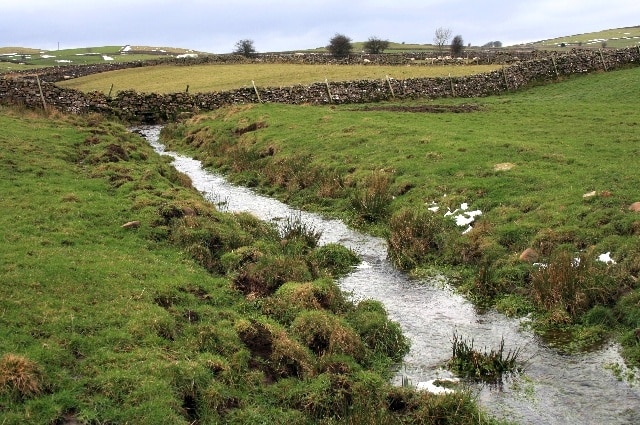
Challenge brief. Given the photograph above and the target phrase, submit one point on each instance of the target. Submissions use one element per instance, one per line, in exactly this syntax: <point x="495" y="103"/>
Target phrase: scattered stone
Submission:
<point x="131" y="225"/>
<point x="188" y="212"/>
<point x="635" y="207"/>
<point x="503" y="166"/>
<point x="590" y="194"/>
<point x="529" y="255"/>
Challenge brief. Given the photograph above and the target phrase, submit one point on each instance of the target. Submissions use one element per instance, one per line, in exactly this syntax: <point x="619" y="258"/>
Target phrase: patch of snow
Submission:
<point x="187" y="55"/>
<point x="467" y="217"/>
<point x="431" y="387"/>
<point x="47" y="56"/>
<point x="606" y="258"/>
<point x="461" y="215"/>
<point x="107" y="58"/>
<point x="63" y="61"/>
<point x="126" y="48"/>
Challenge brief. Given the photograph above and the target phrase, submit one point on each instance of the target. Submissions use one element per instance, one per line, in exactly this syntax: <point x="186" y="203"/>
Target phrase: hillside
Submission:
<point x="17" y="58"/>
<point x="613" y="38"/>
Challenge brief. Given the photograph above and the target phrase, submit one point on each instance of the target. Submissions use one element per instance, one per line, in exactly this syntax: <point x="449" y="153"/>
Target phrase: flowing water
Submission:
<point x="554" y="389"/>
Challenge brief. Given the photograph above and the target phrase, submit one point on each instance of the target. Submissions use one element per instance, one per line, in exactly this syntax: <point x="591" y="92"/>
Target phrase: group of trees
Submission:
<point x="340" y="45"/>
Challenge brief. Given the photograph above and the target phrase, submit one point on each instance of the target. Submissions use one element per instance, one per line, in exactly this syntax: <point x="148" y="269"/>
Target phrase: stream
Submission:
<point x="554" y="388"/>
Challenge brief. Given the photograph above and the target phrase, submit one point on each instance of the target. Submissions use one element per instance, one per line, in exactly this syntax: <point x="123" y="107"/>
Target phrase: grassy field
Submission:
<point x="552" y="168"/>
<point x="616" y="38"/>
<point x="19" y="58"/>
<point x="206" y="78"/>
<point x="126" y="298"/>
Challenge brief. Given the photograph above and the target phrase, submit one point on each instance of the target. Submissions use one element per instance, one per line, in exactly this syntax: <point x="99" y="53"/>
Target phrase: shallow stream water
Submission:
<point x="554" y="389"/>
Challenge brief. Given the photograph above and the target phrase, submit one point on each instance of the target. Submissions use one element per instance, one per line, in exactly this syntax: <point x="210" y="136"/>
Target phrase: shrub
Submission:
<point x="599" y="315"/>
<point x="20" y="376"/>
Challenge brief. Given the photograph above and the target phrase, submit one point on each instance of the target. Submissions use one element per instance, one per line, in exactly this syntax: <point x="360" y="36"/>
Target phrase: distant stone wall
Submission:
<point x="39" y="91"/>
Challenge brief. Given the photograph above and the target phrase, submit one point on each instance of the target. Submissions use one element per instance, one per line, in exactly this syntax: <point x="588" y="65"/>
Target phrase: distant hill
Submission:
<point x="17" y="58"/>
<point x="615" y="38"/>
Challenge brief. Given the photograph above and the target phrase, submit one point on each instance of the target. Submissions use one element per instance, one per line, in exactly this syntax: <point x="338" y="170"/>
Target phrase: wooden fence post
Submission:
<point x="604" y="65"/>
<point x="504" y="74"/>
<point x="555" y="67"/>
<point x="326" y="82"/>
<point x="44" y="104"/>
<point x="390" y="88"/>
<point x="256" y="90"/>
<point x="110" y="90"/>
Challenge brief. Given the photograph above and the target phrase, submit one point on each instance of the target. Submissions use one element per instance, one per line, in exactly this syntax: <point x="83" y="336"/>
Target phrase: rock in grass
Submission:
<point x="635" y="207"/>
<point x="131" y="225"/>
<point x="529" y="255"/>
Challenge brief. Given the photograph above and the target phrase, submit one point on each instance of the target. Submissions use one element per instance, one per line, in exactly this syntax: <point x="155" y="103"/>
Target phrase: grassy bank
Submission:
<point x="126" y="298"/>
<point x="552" y="168"/>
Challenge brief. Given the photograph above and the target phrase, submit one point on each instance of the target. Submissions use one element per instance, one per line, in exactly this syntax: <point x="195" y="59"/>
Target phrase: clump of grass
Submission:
<point x="422" y="407"/>
<point x="292" y="298"/>
<point x="380" y="334"/>
<point x="20" y="376"/>
<point x="372" y="201"/>
<point x="489" y="366"/>
<point x="334" y="260"/>
<point x="416" y="237"/>
<point x="570" y="285"/>
<point x="269" y="272"/>
<point x="298" y="237"/>
<point x="324" y="333"/>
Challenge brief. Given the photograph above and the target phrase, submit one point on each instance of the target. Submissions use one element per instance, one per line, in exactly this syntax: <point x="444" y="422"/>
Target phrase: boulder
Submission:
<point x="635" y="207"/>
<point x="131" y="225"/>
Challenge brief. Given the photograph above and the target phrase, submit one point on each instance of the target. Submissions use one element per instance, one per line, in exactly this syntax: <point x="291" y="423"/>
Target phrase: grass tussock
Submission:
<point x="488" y="366"/>
<point x="20" y="376"/>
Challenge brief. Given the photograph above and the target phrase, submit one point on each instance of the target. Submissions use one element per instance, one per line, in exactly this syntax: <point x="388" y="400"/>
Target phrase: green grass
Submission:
<point x="208" y="78"/>
<point x="149" y="324"/>
<point x="616" y="38"/>
<point x="562" y="140"/>
<point x="18" y="58"/>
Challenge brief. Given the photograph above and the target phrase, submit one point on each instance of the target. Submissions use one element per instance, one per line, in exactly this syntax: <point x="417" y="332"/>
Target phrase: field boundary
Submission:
<point x="38" y="90"/>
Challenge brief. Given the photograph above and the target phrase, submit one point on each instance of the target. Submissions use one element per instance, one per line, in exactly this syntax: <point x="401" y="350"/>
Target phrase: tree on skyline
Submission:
<point x="441" y="38"/>
<point x="457" y="46"/>
<point x="375" y="45"/>
<point x="245" y="48"/>
<point x="340" y="45"/>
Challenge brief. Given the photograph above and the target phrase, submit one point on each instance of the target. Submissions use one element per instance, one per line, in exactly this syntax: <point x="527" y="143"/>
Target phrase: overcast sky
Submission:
<point x="215" y="26"/>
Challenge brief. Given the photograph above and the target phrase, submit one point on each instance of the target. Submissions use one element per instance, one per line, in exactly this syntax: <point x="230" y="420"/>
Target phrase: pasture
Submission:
<point x="552" y="168"/>
<point x="212" y="78"/>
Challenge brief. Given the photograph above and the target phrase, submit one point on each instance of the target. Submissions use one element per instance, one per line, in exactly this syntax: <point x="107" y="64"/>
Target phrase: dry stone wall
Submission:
<point x="39" y="90"/>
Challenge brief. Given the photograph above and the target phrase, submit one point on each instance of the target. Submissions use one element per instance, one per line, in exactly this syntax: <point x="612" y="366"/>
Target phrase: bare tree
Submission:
<point x="245" y="48"/>
<point x="457" y="46"/>
<point x="374" y="45"/>
<point x="441" y="38"/>
<point x="340" y="45"/>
